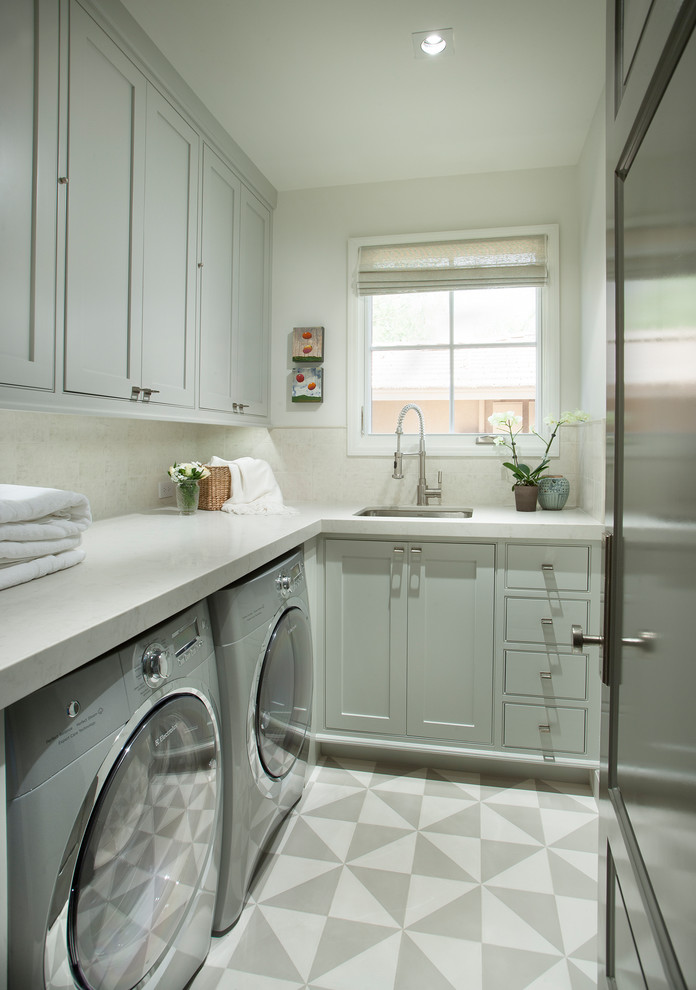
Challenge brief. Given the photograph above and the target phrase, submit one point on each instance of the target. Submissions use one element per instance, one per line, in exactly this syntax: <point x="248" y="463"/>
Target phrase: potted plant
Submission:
<point x="525" y="485"/>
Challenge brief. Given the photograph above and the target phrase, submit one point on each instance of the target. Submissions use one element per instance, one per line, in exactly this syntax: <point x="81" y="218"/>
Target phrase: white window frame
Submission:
<point x="360" y="444"/>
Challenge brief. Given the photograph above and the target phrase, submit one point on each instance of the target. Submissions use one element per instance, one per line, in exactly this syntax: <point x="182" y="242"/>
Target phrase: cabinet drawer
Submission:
<point x="548" y="568"/>
<point x="544" y="728"/>
<point x="543" y="620"/>
<point x="551" y="676"/>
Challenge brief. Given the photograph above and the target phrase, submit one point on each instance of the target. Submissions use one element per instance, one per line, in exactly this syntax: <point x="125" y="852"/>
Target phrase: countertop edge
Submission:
<point x="142" y="568"/>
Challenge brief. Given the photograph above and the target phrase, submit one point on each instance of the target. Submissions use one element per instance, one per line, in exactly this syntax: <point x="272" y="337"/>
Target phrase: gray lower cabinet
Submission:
<point x="409" y="639"/>
<point x="549" y="694"/>
<point x="430" y="643"/>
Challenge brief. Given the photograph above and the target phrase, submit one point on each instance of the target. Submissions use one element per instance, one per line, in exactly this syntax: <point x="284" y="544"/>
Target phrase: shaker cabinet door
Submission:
<point x="169" y="272"/>
<point x="219" y="284"/>
<point x="254" y="281"/>
<point x="106" y="171"/>
<point x="366" y="624"/>
<point x="28" y="204"/>
<point x="450" y="641"/>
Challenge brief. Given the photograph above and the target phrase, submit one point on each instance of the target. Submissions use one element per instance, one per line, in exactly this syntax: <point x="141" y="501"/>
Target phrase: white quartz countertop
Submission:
<point x="142" y="568"/>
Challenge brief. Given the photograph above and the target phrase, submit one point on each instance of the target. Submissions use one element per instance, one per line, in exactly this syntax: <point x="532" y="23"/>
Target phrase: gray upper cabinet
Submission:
<point x="235" y="272"/>
<point x="135" y="273"/>
<point x="219" y="283"/>
<point x="169" y="255"/>
<point x="254" y="318"/>
<point x="28" y="205"/>
<point x="106" y="174"/>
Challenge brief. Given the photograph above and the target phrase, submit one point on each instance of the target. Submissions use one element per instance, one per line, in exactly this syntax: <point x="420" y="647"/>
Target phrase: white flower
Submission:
<point x="499" y="441"/>
<point x="188" y="471"/>
<point x="508" y="419"/>
<point x="575" y="417"/>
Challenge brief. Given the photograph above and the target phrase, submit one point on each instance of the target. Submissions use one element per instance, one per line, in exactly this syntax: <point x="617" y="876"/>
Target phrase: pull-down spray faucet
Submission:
<point x="423" y="492"/>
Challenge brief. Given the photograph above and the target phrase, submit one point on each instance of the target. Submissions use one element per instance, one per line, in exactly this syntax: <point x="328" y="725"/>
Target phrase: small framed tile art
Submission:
<point x="308" y="385"/>
<point x="308" y="344"/>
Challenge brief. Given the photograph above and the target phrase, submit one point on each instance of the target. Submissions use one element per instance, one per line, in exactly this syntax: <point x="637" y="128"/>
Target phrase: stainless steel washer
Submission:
<point x="114" y="800"/>
<point x="263" y="645"/>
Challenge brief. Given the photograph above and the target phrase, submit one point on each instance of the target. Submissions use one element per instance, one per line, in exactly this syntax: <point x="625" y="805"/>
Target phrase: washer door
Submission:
<point x="284" y="695"/>
<point x="146" y="848"/>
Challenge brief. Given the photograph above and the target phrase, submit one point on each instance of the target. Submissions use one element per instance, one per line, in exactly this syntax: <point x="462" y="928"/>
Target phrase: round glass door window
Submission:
<point x="146" y="848"/>
<point x="284" y="695"/>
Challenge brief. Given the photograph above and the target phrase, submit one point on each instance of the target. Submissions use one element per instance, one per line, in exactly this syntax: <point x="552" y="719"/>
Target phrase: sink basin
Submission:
<point x="417" y="511"/>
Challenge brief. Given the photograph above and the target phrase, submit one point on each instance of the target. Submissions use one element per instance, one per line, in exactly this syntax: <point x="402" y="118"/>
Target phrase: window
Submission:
<point x="462" y="324"/>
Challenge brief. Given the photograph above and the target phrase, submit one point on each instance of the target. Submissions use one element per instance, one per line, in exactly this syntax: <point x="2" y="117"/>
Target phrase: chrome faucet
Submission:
<point x="423" y="493"/>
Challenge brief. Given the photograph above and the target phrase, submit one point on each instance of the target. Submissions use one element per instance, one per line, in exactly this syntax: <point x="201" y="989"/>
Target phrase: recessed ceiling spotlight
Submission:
<point x="427" y="44"/>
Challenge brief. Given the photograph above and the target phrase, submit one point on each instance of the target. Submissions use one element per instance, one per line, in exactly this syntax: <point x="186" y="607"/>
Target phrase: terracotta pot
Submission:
<point x="526" y="498"/>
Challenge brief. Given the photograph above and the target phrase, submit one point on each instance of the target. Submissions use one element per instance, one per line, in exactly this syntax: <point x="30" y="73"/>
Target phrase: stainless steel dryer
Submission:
<point x="114" y="809"/>
<point x="263" y="645"/>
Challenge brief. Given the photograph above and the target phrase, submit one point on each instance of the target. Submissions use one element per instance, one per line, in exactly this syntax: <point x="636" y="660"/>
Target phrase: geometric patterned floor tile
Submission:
<point x="391" y="879"/>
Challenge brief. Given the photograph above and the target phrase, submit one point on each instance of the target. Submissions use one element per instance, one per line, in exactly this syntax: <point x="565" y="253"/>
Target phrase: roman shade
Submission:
<point x="446" y="265"/>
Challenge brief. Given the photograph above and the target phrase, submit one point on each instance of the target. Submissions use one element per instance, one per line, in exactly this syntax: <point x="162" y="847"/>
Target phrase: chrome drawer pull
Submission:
<point x="416" y="549"/>
<point x="546" y="674"/>
<point x="544" y="728"/>
<point x="399" y="550"/>
<point x="547" y="567"/>
<point x="547" y="622"/>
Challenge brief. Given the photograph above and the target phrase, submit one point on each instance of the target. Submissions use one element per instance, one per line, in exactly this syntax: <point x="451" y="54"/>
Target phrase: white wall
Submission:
<point x="311" y="228"/>
<point x="591" y="466"/>
<point x="593" y="257"/>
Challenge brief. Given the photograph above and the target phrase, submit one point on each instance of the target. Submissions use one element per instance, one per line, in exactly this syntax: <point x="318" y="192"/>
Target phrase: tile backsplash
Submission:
<point x="118" y="463"/>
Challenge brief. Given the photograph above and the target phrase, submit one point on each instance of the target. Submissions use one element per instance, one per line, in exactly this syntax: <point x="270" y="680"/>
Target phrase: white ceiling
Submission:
<point x="329" y="92"/>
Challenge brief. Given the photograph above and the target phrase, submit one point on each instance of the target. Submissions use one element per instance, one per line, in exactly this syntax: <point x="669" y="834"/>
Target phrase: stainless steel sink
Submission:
<point x="417" y="511"/>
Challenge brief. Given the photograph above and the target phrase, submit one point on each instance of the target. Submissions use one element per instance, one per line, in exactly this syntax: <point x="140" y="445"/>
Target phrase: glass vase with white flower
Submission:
<point x="527" y="477"/>
<point x="186" y="477"/>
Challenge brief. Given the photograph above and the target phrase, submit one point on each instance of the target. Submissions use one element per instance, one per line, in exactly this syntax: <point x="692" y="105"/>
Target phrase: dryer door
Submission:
<point x="147" y="846"/>
<point x="284" y="696"/>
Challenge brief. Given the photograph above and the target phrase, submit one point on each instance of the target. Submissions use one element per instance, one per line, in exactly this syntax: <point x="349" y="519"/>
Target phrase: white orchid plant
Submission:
<point x="509" y="421"/>
<point x="188" y="471"/>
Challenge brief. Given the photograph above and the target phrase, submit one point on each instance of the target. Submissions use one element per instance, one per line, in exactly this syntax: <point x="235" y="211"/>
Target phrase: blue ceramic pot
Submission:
<point x="553" y="492"/>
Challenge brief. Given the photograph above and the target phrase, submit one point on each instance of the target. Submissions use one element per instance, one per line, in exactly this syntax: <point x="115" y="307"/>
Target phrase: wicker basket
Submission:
<point x="215" y="489"/>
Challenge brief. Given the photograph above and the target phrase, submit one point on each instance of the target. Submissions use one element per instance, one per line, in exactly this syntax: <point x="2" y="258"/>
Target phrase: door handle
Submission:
<point x="578" y="639"/>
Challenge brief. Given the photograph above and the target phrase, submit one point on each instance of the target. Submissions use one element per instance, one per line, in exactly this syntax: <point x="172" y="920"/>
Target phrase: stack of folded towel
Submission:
<point x="254" y="489"/>
<point x="40" y="532"/>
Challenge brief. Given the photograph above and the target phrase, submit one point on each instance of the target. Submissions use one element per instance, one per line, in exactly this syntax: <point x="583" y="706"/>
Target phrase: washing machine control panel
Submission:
<point x="156" y="665"/>
<point x="170" y="651"/>
<point x="291" y="581"/>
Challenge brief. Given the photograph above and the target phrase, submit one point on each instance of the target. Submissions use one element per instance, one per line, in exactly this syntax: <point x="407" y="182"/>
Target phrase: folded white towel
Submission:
<point x="13" y="552"/>
<point x="254" y="489"/>
<point x="40" y="531"/>
<point x="29" y="569"/>
<point x="40" y="513"/>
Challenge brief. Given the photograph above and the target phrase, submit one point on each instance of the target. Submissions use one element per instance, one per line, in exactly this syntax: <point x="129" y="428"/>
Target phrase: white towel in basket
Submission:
<point x="254" y="489"/>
